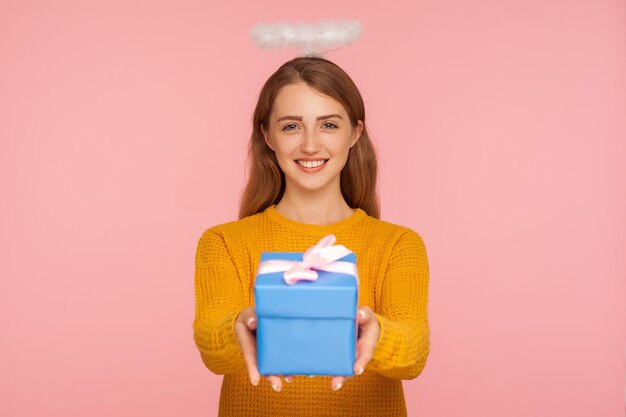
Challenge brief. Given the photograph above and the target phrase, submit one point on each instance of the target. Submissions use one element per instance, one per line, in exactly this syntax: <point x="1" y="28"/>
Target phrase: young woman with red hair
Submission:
<point x="313" y="172"/>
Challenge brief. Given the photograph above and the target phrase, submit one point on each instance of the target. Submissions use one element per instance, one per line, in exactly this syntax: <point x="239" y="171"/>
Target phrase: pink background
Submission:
<point x="500" y="128"/>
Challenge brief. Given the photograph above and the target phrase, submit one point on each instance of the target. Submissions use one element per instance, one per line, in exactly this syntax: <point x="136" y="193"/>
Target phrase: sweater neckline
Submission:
<point x="315" y="229"/>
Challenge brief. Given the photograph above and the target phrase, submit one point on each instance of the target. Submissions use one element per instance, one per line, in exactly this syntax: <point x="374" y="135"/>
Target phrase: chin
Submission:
<point x="312" y="185"/>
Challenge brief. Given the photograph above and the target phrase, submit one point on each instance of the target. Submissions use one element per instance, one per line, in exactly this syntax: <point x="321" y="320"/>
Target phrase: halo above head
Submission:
<point x="309" y="37"/>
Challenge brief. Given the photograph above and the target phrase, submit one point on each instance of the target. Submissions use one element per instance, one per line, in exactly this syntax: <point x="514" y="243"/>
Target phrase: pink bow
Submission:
<point x="322" y="256"/>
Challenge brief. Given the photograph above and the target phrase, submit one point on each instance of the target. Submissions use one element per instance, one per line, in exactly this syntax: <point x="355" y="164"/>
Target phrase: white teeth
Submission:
<point x="311" y="164"/>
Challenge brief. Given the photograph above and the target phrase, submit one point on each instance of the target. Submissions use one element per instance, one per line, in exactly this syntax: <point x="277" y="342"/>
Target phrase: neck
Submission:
<point x="320" y="207"/>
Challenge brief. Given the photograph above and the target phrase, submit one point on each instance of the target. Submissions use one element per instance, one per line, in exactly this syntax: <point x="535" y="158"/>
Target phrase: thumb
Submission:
<point x="251" y="322"/>
<point x="362" y="316"/>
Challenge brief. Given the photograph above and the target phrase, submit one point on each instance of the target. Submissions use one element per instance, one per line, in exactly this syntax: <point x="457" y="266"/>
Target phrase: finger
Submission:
<point x="248" y="317"/>
<point x="362" y="316"/>
<point x="251" y="322"/>
<point x="365" y="352"/>
<point x="368" y="337"/>
<point x="366" y="315"/>
<point x="336" y="382"/>
<point x="361" y="320"/>
<point x="288" y="378"/>
<point x="247" y="345"/>
<point x="359" y="367"/>
<point x="275" y="382"/>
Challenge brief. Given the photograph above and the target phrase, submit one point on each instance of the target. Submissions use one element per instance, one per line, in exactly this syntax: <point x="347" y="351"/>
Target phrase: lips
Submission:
<point x="311" y="163"/>
<point x="312" y="169"/>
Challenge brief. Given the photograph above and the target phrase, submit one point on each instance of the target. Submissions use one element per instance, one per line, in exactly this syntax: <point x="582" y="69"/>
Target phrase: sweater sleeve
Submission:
<point x="404" y="341"/>
<point x="219" y="299"/>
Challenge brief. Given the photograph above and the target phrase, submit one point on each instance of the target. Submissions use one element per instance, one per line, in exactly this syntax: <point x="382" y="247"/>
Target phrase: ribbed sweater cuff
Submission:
<point x="219" y="347"/>
<point x="401" y="350"/>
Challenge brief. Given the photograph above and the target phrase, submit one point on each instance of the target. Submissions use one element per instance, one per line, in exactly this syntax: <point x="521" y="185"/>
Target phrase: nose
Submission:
<point x="311" y="142"/>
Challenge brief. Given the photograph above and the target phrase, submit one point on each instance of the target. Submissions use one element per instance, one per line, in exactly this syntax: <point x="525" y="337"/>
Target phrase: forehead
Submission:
<point x="300" y="99"/>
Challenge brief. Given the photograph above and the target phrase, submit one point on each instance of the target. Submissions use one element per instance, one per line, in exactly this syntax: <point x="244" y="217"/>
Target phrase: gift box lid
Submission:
<point x="332" y="295"/>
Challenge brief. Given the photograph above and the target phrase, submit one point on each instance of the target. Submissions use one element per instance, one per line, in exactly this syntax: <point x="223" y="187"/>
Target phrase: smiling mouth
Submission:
<point x="311" y="164"/>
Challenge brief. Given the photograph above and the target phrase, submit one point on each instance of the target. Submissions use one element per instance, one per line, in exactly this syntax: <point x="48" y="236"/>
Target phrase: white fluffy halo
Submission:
<point x="309" y="37"/>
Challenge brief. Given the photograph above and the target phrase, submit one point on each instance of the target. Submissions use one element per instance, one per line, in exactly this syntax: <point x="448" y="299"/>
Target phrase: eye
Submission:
<point x="289" y="127"/>
<point x="329" y="125"/>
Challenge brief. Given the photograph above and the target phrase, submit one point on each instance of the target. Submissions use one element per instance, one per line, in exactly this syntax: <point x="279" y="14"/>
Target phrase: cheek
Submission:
<point x="284" y="149"/>
<point x="284" y="159"/>
<point x="342" y="146"/>
<point x="283" y="164"/>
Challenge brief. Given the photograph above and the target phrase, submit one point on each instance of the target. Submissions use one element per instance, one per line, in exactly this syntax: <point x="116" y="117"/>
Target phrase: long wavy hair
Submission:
<point x="266" y="181"/>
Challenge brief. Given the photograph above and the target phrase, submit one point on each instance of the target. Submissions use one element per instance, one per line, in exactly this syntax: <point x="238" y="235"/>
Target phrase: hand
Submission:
<point x="369" y="330"/>
<point x="245" y="329"/>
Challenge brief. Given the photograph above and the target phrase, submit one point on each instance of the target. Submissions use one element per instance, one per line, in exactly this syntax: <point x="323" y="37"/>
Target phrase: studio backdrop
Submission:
<point x="499" y="127"/>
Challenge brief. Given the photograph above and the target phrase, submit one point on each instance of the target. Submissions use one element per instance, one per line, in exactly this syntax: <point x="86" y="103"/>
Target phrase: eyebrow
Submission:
<point x="299" y="118"/>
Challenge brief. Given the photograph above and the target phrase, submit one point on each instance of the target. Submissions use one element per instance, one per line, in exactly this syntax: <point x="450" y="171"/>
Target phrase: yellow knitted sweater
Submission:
<point x="393" y="281"/>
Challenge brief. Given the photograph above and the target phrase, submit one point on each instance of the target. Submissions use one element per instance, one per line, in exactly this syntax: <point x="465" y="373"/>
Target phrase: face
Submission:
<point x="307" y="128"/>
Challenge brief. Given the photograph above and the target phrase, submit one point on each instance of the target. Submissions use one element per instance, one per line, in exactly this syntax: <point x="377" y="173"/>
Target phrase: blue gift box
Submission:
<point x="307" y="328"/>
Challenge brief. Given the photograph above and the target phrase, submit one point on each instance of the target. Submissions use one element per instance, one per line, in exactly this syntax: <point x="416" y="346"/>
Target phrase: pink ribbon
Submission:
<point x="323" y="256"/>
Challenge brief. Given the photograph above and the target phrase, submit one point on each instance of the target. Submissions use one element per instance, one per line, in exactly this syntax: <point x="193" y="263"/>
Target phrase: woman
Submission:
<point x="313" y="173"/>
